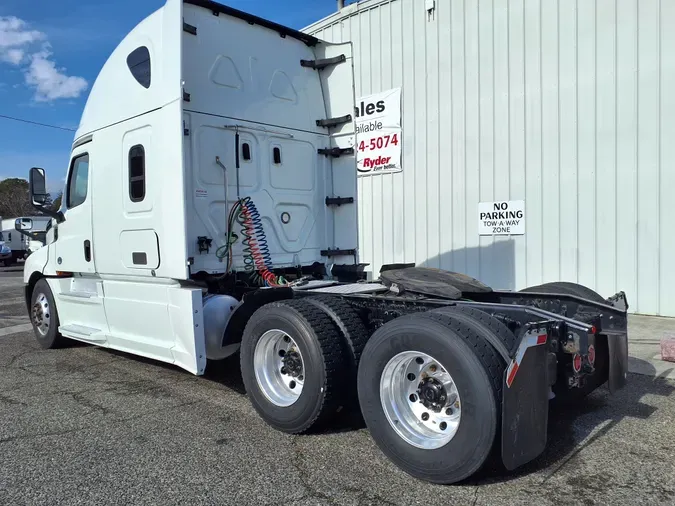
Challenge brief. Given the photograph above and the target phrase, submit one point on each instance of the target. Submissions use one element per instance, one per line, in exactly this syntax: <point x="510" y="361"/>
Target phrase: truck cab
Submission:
<point x="200" y="108"/>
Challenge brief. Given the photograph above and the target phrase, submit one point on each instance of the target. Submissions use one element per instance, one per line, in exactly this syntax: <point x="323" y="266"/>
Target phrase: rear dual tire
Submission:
<point x="458" y="348"/>
<point x="326" y="337"/>
<point x="454" y="354"/>
<point x="317" y="342"/>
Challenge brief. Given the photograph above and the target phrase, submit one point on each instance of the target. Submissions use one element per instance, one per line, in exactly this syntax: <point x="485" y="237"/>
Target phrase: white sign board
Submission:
<point x="378" y="133"/>
<point x="501" y="218"/>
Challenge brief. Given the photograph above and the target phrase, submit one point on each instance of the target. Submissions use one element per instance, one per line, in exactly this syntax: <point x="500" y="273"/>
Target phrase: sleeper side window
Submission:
<point x="138" y="62"/>
<point x="137" y="173"/>
<point x="78" y="181"/>
<point x="276" y="155"/>
<point x="246" y="151"/>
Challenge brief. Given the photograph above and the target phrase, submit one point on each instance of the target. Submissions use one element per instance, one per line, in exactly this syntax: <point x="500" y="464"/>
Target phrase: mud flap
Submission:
<point x="618" y="361"/>
<point x="525" y="402"/>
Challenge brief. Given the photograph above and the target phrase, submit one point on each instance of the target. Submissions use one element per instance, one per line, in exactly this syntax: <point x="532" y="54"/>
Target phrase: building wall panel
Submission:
<point x="568" y="105"/>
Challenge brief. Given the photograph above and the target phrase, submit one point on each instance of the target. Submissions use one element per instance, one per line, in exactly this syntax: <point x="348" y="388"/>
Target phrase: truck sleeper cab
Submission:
<point x="210" y="207"/>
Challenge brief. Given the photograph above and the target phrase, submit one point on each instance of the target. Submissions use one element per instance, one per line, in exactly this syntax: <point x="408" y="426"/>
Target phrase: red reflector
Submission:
<point x="512" y="375"/>
<point x="541" y="339"/>
<point x="591" y="354"/>
<point x="576" y="362"/>
<point x="593" y="330"/>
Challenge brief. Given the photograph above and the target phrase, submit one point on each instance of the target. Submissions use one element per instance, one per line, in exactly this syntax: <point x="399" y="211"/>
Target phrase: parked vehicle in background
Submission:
<point x="5" y="254"/>
<point x="23" y="236"/>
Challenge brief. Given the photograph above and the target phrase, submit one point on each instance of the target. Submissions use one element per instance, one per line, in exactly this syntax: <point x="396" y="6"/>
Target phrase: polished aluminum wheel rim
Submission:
<point x="40" y="314"/>
<point x="279" y="368"/>
<point x="420" y="400"/>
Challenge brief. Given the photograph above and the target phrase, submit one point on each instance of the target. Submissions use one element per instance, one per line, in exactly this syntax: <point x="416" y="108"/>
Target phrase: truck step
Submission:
<point x="82" y="332"/>
<point x="81" y="297"/>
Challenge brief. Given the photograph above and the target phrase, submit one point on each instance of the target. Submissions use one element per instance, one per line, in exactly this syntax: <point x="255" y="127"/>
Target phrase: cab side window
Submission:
<point x="78" y="181"/>
<point x="137" y="173"/>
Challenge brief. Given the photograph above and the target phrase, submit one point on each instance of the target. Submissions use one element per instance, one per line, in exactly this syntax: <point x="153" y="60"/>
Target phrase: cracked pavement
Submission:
<point x="90" y="426"/>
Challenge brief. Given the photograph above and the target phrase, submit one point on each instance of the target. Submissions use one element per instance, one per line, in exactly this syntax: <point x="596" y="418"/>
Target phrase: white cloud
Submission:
<point x="18" y="47"/>
<point x="49" y="82"/>
<point x="13" y="56"/>
<point x="13" y="33"/>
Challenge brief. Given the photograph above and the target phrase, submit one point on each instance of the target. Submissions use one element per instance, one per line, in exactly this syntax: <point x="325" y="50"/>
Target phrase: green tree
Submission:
<point x="56" y="205"/>
<point x="14" y="198"/>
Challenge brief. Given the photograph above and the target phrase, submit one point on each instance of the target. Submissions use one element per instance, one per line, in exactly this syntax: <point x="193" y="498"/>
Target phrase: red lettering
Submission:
<point x="374" y="162"/>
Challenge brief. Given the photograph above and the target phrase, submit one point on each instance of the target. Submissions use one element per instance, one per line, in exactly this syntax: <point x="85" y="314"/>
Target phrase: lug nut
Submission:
<point x="425" y="416"/>
<point x="432" y="368"/>
<point x="413" y="398"/>
<point x="448" y="411"/>
<point x="411" y="377"/>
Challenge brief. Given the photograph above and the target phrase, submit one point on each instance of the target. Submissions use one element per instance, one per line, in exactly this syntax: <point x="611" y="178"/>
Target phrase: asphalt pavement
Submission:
<point x="85" y="425"/>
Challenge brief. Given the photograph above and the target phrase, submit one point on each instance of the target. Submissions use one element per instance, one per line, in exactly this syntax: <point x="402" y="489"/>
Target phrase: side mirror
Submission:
<point x="23" y="224"/>
<point x="39" y="196"/>
<point x="38" y="186"/>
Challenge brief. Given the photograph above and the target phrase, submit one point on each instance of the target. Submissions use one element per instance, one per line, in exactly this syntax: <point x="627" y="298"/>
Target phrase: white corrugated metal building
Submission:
<point x="567" y="105"/>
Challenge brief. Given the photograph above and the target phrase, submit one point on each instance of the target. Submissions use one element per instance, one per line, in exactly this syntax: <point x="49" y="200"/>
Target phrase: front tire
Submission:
<point x="45" y="317"/>
<point x="470" y="373"/>
<point x="292" y="365"/>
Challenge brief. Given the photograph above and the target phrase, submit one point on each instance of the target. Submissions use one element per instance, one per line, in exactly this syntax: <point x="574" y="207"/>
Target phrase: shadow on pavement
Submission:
<point x="571" y="428"/>
<point x="567" y="436"/>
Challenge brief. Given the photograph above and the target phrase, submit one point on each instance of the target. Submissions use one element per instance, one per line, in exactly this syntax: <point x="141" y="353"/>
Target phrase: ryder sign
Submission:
<point x="378" y="133"/>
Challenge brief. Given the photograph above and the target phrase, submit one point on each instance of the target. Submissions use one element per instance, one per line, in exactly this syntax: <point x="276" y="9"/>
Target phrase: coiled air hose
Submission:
<point x="256" y="255"/>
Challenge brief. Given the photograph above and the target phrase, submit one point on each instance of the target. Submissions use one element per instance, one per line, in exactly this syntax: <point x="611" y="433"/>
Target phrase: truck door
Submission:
<point x="73" y="248"/>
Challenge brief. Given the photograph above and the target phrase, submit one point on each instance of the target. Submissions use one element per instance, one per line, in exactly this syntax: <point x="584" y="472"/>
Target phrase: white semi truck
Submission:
<point x="211" y="208"/>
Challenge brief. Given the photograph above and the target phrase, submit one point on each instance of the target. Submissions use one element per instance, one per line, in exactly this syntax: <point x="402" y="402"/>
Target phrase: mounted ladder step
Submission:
<point x="82" y="332"/>
<point x="322" y="64"/>
<point x="338" y="201"/>
<point x="335" y="152"/>
<point x="332" y="122"/>
<point x="337" y="252"/>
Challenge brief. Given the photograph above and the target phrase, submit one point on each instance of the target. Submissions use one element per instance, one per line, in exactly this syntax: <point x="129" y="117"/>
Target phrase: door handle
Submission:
<point x="87" y="250"/>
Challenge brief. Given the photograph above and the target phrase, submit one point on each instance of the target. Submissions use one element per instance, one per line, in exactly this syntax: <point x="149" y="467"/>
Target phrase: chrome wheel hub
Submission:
<point x="420" y="400"/>
<point x="40" y="314"/>
<point x="279" y="368"/>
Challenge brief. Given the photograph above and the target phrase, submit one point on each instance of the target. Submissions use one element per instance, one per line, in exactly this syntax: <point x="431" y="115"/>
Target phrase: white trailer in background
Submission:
<point x="23" y="236"/>
<point x="210" y="208"/>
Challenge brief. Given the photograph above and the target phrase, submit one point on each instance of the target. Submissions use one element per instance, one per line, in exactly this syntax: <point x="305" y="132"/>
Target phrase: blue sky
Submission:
<point x="51" y="52"/>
